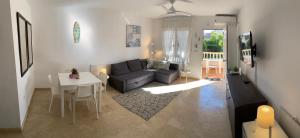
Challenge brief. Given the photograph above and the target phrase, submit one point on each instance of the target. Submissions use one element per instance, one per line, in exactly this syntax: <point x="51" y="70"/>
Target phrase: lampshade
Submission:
<point x="103" y="70"/>
<point x="265" y="116"/>
<point x="152" y="44"/>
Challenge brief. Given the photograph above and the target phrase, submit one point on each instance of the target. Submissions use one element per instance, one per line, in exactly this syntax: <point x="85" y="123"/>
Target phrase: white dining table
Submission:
<point x="85" y="78"/>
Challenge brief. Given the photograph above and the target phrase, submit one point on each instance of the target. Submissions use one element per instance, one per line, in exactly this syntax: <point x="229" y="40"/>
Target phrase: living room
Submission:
<point x="93" y="36"/>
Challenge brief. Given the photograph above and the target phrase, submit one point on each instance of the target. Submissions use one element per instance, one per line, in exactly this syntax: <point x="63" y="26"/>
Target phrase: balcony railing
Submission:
<point x="213" y="60"/>
<point x="246" y="52"/>
<point x="213" y="55"/>
<point x="247" y="55"/>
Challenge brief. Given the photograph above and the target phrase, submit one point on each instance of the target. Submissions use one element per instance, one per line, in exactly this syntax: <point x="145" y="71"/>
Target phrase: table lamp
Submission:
<point x="103" y="70"/>
<point x="265" y="118"/>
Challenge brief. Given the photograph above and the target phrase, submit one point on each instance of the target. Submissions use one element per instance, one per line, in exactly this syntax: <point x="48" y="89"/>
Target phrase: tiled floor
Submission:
<point x="200" y="112"/>
<point x="213" y="73"/>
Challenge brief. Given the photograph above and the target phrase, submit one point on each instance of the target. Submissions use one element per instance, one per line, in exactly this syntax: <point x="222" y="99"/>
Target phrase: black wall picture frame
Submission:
<point x="25" y="43"/>
<point x="21" y="22"/>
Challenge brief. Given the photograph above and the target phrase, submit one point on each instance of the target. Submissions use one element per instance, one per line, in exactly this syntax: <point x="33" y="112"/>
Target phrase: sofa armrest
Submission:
<point x="174" y="66"/>
<point x="117" y="84"/>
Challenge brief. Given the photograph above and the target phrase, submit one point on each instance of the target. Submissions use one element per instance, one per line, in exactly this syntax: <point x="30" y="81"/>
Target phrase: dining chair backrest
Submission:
<point x="51" y="84"/>
<point x="67" y="70"/>
<point x="85" y="91"/>
<point x="103" y="77"/>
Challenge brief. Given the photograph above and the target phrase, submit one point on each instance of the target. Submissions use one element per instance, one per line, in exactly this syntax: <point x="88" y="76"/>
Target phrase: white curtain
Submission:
<point x="183" y="51"/>
<point x="169" y="43"/>
<point x="176" y="42"/>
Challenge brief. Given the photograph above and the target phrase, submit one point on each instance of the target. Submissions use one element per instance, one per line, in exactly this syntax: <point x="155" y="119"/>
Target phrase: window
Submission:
<point x="176" y="45"/>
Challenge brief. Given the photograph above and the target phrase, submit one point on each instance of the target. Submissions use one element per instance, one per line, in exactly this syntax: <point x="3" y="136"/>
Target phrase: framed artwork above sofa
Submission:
<point x="133" y="36"/>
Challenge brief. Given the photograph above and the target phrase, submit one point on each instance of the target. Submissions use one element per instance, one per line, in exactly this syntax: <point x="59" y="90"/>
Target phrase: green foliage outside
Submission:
<point x="214" y="43"/>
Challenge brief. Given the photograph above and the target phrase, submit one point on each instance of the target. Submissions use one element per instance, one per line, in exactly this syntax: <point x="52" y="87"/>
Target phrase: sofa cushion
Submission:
<point x="133" y="77"/>
<point x="150" y="64"/>
<point x="119" y="68"/>
<point x="156" y="64"/>
<point x="166" y="76"/>
<point x="166" y="72"/>
<point x="163" y="65"/>
<point x="134" y="65"/>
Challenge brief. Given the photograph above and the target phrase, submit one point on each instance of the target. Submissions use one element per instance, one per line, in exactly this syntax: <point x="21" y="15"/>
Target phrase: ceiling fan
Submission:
<point x="172" y="11"/>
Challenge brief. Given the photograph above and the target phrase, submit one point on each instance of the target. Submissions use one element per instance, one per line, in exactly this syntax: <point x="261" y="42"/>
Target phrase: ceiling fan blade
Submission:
<point x="172" y="11"/>
<point x="164" y="7"/>
<point x="187" y="1"/>
<point x="163" y="16"/>
<point x="183" y="13"/>
<point x="165" y="2"/>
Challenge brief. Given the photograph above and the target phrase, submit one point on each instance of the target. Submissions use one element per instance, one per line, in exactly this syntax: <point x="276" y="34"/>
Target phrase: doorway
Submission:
<point x="214" y="54"/>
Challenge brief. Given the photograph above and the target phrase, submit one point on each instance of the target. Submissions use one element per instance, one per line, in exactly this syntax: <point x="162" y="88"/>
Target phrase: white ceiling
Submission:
<point x="151" y="8"/>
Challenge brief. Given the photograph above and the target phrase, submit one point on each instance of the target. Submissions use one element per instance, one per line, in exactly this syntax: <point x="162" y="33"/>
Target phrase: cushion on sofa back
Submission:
<point x="174" y="66"/>
<point x="134" y="65"/>
<point x="165" y="65"/>
<point x="150" y="64"/>
<point x="119" y="68"/>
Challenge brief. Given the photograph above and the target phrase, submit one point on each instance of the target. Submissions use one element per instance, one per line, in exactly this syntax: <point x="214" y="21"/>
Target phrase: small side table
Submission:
<point x="251" y="130"/>
<point x="186" y="74"/>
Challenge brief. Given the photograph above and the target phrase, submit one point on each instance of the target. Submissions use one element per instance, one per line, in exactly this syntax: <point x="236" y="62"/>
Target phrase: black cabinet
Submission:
<point x="242" y="101"/>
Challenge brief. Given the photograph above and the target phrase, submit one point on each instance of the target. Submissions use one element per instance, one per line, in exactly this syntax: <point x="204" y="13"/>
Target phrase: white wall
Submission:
<point x="200" y="23"/>
<point x="103" y="39"/>
<point x="25" y="83"/>
<point x="157" y="26"/>
<point x="275" y="27"/>
<point x="233" y="45"/>
<point x="9" y="107"/>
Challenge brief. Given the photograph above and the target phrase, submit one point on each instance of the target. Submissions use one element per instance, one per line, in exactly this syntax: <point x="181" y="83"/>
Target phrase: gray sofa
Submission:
<point x="132" y="74"/>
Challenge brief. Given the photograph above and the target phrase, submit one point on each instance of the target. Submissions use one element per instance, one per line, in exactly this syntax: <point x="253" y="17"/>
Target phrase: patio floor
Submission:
<point x="212" y="73"/>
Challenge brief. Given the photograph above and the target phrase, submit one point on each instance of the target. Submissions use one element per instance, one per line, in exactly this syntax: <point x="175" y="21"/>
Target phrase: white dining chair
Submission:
<point x="103" y="77"/>
<point x="84" y="93"/>
<point x="53" y="92"/>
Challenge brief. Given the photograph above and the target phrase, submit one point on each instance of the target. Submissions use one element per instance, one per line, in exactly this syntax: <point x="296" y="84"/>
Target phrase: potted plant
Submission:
<point x="235" y="69"/>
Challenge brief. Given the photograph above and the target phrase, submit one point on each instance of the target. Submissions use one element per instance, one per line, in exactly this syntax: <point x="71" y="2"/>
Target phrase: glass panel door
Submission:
<point x="214" y="55"/>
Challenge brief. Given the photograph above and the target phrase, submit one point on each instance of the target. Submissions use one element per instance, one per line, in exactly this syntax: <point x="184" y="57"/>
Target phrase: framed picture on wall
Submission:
<point x="25" y="43"/>
<point x="29" y="44"/>
<point x="133" y="36"/>
<point x="22" y="38"/>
